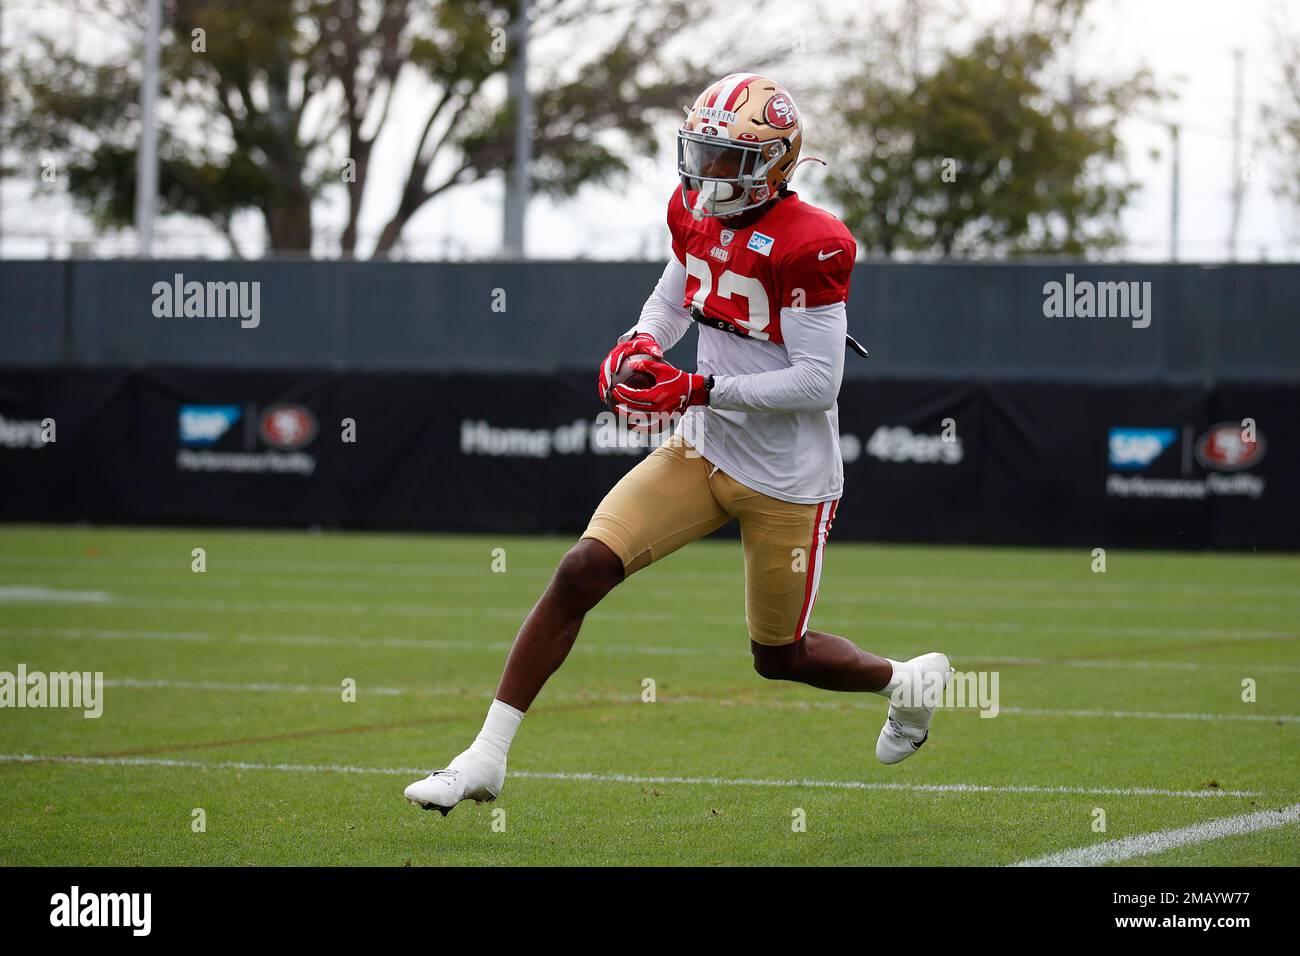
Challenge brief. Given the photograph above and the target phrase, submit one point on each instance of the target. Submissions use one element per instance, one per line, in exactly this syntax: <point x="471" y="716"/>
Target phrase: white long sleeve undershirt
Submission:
<point x="814" y="342"/>
<point x="662" y="316"/>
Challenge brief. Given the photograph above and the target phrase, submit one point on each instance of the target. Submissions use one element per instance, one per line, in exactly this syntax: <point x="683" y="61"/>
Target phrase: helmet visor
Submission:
<point x="704" y="158"/>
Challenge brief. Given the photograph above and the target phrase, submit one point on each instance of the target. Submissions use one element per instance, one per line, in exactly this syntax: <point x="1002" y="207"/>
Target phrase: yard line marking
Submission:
<point x="443" y="644"/>
<point x="1127" y="630"/>
<point x="309" y="640"/>
<point x="434" y="586"/>
<point x="1097" y="602"/>
<point x="1148" y="715"/>
<point x="1094" y="600"/>
<point x="162" y="683"/>
<point x="36" y="594"/>
<point x="135" y="683"/>
<point x="251" y="565"/>
<point x="1125" y="664"/>
<point x="259" y="565"/>
<point x="434" y="611"/>
<point x="1114" y="851"/>
<point x="872" y="785"/>
<point x="102" y="634"/>
<point x="1091" y="588"/>
<point x="626" y="778"/>
<point x="312" y="640"/>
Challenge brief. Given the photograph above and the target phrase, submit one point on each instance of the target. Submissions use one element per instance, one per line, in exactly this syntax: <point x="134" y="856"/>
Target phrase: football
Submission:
<point x="629" y="376"/>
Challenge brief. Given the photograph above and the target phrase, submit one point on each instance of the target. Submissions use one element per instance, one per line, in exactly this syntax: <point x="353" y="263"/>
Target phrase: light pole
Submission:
<point x="517" y="185"/>
<point x="146" y="177"/>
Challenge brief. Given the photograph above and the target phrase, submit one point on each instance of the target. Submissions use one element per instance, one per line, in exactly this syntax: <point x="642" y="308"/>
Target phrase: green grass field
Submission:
<point x="1120" y="691"/>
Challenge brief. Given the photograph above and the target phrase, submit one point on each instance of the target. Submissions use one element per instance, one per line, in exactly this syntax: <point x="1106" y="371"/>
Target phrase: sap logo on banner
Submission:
<point x="205" y="424"/>
<point x="1132" y="449"/>
<point x="285" y="428"/>
<point x="1101" y="300"/>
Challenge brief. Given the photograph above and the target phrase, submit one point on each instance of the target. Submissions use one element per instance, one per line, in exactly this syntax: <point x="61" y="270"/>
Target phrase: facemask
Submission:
<point x="710" y="194"/>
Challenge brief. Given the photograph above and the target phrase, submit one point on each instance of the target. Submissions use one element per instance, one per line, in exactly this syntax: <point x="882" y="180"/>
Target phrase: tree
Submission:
<point x="1282" y="124"/>
<point x="269" y="103"/>
<point x="980" y="156"/>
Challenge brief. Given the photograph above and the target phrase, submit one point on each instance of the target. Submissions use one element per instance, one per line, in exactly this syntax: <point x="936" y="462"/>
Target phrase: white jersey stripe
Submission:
<point x="821" y="529"/>
<point x="822" y="532"/>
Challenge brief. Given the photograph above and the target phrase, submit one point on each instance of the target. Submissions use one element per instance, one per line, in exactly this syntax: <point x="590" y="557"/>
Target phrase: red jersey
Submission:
<point x="794" y="256"/>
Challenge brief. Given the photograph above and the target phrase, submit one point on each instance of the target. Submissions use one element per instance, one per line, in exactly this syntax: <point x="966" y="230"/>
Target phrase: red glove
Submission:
<point x="641" y="343"/>
<point x="673" y="390"/>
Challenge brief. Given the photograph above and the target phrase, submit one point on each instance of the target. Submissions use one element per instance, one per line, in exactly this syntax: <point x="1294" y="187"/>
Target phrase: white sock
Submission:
<point x="894" y="681"/>
<point x="498" y="730"/>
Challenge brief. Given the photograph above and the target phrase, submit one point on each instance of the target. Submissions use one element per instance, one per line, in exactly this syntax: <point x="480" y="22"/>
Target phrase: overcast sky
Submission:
<point x="1187" y="44"/>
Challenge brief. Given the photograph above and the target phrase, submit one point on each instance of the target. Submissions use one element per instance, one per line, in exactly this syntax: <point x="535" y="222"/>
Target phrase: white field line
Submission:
<point x="627" y="778"/>
<point x="107" y="634"/>
<point x="39" y="594"/>
<point x="1127" y="665"/>
<point x="766" y="704"/>
<point x="441" y="612"/>
<point x="312" y="640"/>
<point x="1091" y="586"/>
<point x="481" y="582"/>
<point x="1148" y="715"/>
<point x="651" y="650"/>
<point x="1115" y="851"/>
<point x="491" y="583"/>
<point x="255" y="565"/>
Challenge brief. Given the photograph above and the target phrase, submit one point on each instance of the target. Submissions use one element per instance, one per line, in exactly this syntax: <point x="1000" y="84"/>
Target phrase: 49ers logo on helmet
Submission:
<point x="779" y="112"/>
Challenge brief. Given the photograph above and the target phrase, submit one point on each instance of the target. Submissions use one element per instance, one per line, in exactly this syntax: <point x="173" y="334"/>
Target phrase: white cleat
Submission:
<point x="471" y="776"/>
<point x="911" y="708"/>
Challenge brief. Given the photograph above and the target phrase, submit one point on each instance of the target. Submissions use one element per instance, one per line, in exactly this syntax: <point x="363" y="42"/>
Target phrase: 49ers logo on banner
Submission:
<point x="779" y="112"/>
<point x="288" y="426"/>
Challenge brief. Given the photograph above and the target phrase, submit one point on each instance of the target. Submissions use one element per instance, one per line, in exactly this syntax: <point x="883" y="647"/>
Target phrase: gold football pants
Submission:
<point x="675" y="495"/>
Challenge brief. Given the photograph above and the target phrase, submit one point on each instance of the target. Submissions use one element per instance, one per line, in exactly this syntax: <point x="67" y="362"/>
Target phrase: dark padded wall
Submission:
<point x="959" y="322"/>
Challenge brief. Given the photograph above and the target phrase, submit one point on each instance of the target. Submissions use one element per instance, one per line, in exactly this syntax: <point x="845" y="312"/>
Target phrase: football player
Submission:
<point x="765" y="276"/>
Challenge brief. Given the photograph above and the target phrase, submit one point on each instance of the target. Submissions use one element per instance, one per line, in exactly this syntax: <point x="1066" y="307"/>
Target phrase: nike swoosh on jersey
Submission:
<point x="823" y="256"/>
